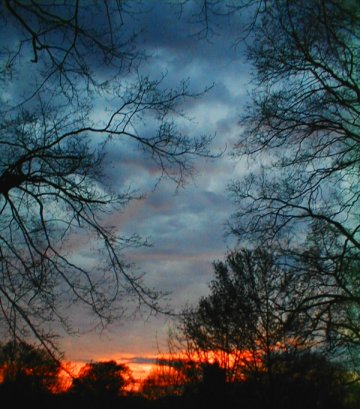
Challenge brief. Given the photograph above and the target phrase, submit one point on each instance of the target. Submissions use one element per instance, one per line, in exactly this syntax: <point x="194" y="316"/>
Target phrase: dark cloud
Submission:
<point x="142" y="360"/>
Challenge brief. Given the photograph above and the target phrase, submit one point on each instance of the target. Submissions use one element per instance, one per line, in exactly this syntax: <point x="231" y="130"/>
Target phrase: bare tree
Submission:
<point x="255" y="325"/>
<point x="248" y="318"/>
<point x="67" y="65"/>
<point x="69" y="43"/>
<point x="303" y="121"/>
<point x="205" y="15"/>
<point x="328" y="288"/>
<point x="301" y="136"/>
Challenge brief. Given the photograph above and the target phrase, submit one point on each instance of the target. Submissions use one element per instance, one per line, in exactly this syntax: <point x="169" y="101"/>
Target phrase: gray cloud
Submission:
<point x="185" y="227"/>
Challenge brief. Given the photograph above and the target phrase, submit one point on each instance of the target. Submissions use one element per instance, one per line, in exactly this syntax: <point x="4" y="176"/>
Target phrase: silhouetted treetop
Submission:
<point x="102" y="379"/>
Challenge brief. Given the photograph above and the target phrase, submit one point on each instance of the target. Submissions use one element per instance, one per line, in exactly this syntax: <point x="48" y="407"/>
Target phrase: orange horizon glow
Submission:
<point x="141" y="370"/>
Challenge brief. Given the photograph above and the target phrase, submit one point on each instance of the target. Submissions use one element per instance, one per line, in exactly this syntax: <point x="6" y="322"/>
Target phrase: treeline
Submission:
<point x="252" y="342"/>
<point x="288" y="374"/>
<point x="311" y="382"/>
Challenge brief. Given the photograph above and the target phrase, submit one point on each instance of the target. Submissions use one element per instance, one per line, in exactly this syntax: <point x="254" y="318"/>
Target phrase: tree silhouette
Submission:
<point x="249" y="316"/>
<point x="168" y="377"/>
<point x="28" y="369"/>
<point x="102" y="380"/>
<point x="307" y="380"/>
<point x="300" y="134"/>
<point x="304" y="117"/>
<point x="270" y="348"/>
<point x="213" y="384"/>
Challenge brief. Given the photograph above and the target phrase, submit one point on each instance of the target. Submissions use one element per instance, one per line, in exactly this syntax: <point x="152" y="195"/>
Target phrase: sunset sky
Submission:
<point x="185" y="226"/>
<point x="179" y="194"/>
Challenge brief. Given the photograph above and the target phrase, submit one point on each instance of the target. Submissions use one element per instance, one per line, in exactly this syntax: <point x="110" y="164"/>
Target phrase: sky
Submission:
<point x="186" y="226"/>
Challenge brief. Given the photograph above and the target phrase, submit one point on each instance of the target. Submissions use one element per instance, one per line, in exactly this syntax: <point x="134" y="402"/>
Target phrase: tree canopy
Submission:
<point x="28" y="368"/>
<point x="102" y="379"/>
<point x="251" y="316"/>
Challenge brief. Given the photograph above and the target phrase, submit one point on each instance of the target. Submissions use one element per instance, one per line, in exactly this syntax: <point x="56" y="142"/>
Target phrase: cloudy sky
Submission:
<point x="185" y="226"/>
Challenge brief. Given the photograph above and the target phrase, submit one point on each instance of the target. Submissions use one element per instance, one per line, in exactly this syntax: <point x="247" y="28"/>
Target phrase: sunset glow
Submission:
<point x="142" y="366"/>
